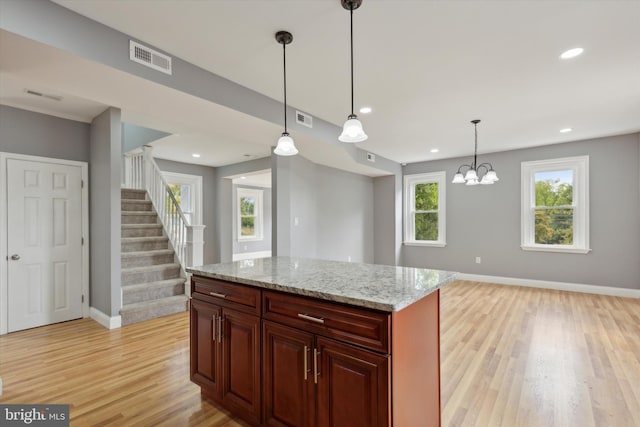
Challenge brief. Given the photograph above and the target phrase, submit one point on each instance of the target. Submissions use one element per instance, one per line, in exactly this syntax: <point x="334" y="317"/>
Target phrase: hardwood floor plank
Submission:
<point x="511" y="356"/>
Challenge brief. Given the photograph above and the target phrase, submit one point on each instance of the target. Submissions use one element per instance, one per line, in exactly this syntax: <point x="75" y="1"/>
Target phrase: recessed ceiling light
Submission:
<point x="365" y="110"/>
<point x="572" y="53"/>
<point x="434" y="150"/>
<point x="565" y="130"/>
<point x="243" y="177"/>
<point x="196" y="155"/>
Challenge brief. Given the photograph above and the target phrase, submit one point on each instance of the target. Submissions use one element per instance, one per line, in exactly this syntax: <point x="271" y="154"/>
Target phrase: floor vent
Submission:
<point x="304" y="119"/>
<point x="149" y="57"/>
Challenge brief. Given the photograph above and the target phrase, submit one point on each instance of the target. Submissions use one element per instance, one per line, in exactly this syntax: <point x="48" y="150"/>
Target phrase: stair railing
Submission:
<point x="142" y="172"/>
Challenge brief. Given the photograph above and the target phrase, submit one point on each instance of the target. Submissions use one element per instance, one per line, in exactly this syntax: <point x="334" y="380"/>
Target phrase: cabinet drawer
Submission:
<point x="366" y="328"/>
<point x="226" y="294"/>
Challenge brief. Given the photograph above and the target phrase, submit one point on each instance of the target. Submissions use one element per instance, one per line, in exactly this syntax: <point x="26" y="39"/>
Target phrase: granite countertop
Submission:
<point x="380" y="287"/>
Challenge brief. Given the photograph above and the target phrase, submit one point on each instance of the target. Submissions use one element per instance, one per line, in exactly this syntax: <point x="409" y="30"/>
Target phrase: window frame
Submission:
<point x="410" y="182"/>
<point x="580" y="167"/>
<point x="258" y="226"/>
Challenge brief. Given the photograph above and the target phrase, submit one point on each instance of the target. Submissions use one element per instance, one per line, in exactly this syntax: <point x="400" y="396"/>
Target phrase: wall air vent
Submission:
<point x="43" y="95"/>
<point x="304" y="119"/>
<point x="149" y="57"/>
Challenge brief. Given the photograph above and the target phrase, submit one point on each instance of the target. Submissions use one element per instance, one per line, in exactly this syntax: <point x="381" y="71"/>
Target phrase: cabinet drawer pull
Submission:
<point x="316" y="372"/>
<point x="217" y="295"/>
<point x="306" y="349"/>
<point x="311" y="318"/>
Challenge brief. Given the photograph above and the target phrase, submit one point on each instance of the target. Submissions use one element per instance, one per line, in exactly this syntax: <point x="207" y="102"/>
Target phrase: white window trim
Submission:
<point x="196" y="182"/>
<point x="258" y="195"/>
<point x="580" y="167"/>
<point x="409" y="186"/>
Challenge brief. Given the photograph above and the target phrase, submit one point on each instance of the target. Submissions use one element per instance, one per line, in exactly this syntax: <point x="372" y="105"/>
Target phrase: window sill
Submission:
<point x="250" y="239"/>
<point x="427" y="244"/>
<point x="558" y="249"/>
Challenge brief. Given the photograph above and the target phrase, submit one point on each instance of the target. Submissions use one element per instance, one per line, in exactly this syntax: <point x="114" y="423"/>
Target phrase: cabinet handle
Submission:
<point x="213" y="329"/>
<point x="217" y="295"/>
<point x="220" y="328"/>
<point x="316" y="373"/>
<point x="306" y="349"/>
<point x="311" y="318"/>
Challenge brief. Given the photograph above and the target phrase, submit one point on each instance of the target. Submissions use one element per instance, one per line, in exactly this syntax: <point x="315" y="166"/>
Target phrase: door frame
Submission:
<point x="84" y="200"/>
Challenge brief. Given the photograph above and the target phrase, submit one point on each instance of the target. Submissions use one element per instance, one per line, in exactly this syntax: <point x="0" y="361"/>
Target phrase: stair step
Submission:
<point x="147" y="243"/>
<point x="130" y="193"/>
<point x="135" y="205"/>
<point x="141" y="230"/>
<point x="138" y="217"/>
<point x="138" y="312"/>
<point x="149" y="291"/>
<point x="151" y="273"/>
<point x="145" y="258"/>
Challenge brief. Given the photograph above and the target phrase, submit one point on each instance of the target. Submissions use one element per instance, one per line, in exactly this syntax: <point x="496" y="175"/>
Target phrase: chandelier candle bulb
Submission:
<point x="472" y="175"/>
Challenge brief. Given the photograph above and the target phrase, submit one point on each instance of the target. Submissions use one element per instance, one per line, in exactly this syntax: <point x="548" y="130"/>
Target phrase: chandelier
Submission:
<point x="474" y="170"/>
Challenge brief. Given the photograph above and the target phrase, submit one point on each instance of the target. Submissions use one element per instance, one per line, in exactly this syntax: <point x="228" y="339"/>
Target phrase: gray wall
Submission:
<point x="485" y="220"/>
<point x="387" y="219"/>
<point x="104" y="206"/>
<point x="252" y="245"/>
<point x="134" y="136"/>
<point x="208" y="175"/>
<point x="35" y="134"/>
<point x="323" y="212"/>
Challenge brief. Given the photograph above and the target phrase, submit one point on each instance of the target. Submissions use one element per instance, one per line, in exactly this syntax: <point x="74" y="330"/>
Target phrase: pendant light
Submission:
<point x="285" y="146"/>
<point x="472" y="175"/>
<point x="352" y="130"/>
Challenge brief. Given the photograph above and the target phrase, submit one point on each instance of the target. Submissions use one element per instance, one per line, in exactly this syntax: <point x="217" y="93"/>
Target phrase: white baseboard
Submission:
<point x="106" y="321"/>
<point x="251" y="255"/>
<point x="559" y="286"/>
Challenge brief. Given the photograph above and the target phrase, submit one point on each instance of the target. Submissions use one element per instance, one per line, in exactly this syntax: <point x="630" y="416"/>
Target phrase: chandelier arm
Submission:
<point x="484" y="165"/>
<point x="464" y="166"/>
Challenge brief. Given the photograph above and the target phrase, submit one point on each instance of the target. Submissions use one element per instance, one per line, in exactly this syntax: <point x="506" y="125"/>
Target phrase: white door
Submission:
<point x="44" y="243"/>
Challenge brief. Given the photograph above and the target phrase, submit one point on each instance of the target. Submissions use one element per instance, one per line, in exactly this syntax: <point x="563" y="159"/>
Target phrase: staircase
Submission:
<point x="151" y="282"/>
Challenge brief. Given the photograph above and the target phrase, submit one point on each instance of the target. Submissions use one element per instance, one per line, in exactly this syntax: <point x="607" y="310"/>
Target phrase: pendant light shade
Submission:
<point x="352" y="130"/>
<point x="285" y="146"/>
<point x="472" y="176"/>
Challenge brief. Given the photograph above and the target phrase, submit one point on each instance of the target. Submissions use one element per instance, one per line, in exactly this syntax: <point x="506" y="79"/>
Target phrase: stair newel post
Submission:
<point x="194" y="245"/>
<point x="147" y="151"/>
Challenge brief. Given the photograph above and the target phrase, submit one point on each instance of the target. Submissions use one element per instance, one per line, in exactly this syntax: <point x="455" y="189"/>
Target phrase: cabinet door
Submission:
<point x="241" y="373"/>
<point x="289" y="389"/>
<point x="353" y="386"/>
<point x="205" y="351"/>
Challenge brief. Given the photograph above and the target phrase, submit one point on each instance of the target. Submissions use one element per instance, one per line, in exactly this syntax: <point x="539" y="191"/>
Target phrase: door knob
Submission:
<point x="15" y="257"/>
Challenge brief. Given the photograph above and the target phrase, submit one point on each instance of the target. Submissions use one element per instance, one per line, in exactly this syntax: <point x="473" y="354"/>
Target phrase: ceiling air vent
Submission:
<point x="149" y="57"/>
<point x="304" y="119"/>
<point x="43" y="95"/>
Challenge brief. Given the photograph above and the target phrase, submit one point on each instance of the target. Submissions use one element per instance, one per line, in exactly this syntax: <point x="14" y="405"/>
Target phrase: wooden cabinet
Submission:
<point x="225" y="346"/>
<point x="278" y="359"/>
<point x="312" y="380"/>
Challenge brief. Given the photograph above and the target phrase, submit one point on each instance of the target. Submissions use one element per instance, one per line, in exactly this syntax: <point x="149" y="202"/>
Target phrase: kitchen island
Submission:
<point x="302" y="342"/>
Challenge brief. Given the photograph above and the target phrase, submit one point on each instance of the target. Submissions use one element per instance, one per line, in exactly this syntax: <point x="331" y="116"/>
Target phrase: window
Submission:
<point x="249" y="214"/>
<point x="555" y="205"/>
<point x="187" y="189"/>
<point x="424" y="214"/>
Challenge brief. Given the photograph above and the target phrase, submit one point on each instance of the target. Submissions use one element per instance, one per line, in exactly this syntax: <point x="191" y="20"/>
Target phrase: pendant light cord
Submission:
<point x="475" y="150"/>
<point x="284" y="63"/>
<point x="351" y="12"/>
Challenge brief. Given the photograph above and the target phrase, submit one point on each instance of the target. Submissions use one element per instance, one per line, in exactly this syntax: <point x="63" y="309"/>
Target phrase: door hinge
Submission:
<point x="82" y="298"/>
<point x="82" y="183"/>
<point x="82" y="240"/>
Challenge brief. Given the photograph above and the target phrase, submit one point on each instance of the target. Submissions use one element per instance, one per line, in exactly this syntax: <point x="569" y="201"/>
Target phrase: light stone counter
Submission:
<point x="379" y="287"/>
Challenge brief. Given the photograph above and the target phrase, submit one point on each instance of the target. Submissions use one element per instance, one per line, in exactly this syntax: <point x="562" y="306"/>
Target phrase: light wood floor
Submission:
<point x="511" y="357"/>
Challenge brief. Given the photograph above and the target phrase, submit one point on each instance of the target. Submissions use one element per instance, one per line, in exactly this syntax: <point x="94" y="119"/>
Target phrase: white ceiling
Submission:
<point x="425" y="67"/>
